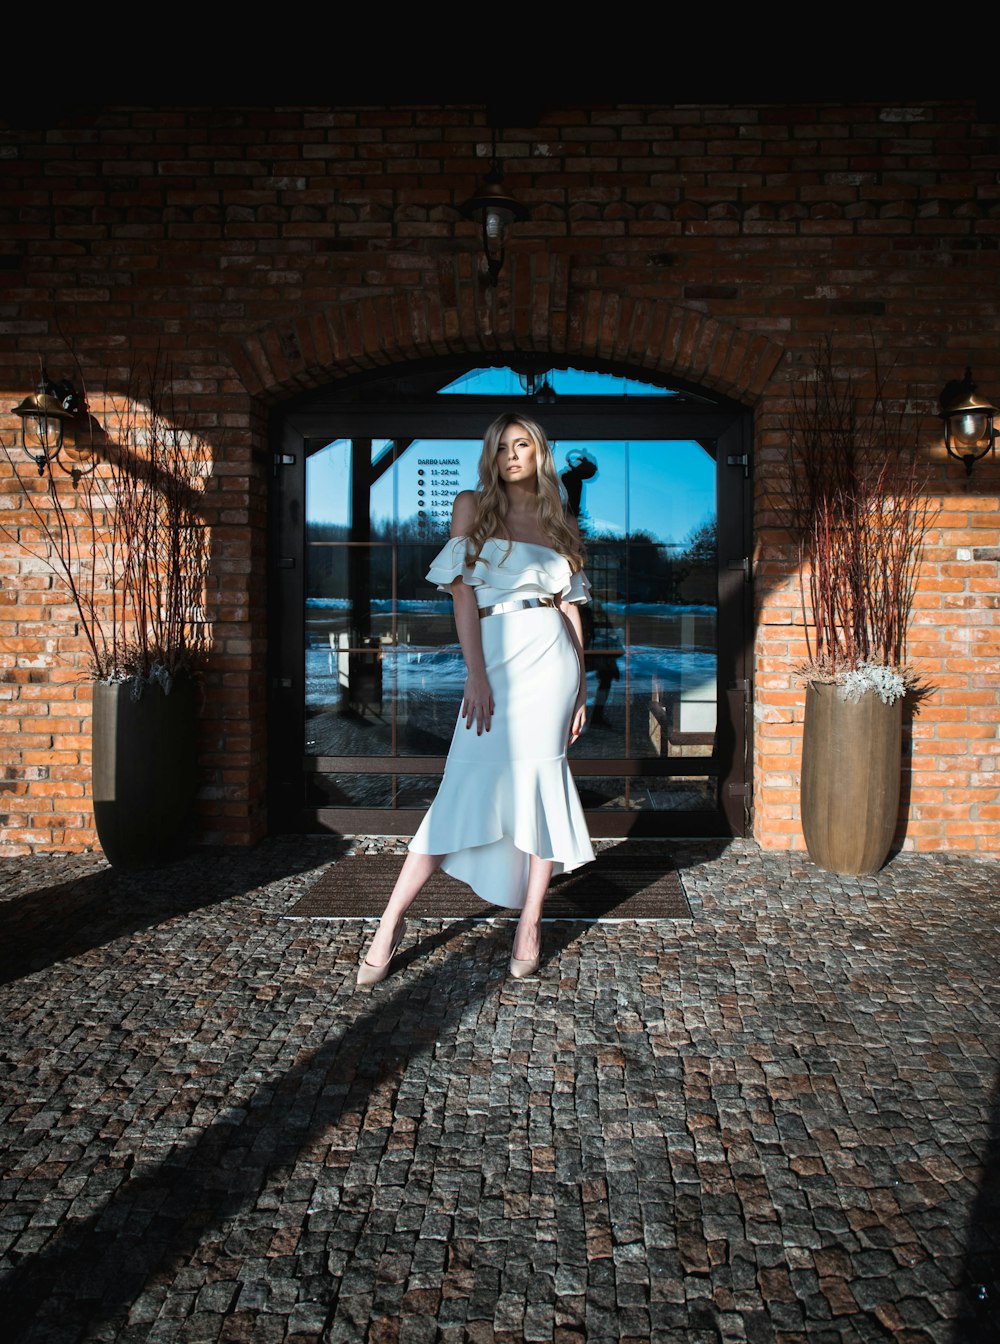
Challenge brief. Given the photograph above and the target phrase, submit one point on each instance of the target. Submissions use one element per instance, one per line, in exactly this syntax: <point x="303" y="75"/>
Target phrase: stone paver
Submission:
<point x="777" y="1120"/>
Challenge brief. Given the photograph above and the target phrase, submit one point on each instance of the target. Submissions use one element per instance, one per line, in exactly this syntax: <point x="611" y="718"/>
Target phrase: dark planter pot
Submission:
<point x="144" y="769"/>
<point x="851" y="763"/>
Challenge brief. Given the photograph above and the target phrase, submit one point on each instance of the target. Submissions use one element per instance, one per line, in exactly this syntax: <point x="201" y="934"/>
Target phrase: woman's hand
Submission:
<point x="477" y="703"/>
<point x="579" y="719"/>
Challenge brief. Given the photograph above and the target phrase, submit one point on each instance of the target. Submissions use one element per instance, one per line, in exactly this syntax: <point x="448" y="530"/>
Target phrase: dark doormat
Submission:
<point x="614" y="886"/>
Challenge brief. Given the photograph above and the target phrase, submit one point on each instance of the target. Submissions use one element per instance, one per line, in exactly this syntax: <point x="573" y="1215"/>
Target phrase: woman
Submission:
<point x="507" y="815"/>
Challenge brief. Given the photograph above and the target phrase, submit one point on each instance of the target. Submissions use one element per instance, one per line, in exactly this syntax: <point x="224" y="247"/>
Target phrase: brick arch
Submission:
<point x="538" y="306"/>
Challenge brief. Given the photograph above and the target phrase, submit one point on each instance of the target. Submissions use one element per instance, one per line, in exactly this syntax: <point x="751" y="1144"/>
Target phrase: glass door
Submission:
<point x="648" y="513"/>
<point x="379" y="672"/>
<point x="383" y="672"/>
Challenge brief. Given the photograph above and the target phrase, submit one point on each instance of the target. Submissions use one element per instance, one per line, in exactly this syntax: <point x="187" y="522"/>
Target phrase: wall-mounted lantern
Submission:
<point x="44" y="415"/>
<point x="969" y="422"/>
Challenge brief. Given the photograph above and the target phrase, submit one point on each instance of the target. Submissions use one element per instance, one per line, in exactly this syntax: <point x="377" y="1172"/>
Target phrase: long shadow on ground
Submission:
<point x="94" y="1268"/>
<point x="979" y="1308"/>
<point x="53" y="922"/>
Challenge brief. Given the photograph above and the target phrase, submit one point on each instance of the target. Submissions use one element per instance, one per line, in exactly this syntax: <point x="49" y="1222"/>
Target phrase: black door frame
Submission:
<point x="311" y="422"/>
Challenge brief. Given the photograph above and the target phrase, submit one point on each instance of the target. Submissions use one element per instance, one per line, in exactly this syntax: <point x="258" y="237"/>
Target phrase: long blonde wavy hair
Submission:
<point x="491" y="497"/>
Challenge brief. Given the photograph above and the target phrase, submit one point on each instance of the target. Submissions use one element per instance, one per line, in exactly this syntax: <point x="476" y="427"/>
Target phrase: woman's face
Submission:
<point x="516" y="455"/>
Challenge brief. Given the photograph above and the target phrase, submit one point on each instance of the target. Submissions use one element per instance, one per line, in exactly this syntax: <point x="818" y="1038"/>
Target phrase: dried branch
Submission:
<point x="859" y="513"/>
<point x="128" y="540"/>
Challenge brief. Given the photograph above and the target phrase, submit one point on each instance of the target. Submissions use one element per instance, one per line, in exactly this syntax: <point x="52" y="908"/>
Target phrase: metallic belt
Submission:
<point x="520" y="605"/>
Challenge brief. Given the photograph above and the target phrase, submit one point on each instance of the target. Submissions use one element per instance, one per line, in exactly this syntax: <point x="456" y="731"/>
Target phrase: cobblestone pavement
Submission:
<point x="777" y="1120"/>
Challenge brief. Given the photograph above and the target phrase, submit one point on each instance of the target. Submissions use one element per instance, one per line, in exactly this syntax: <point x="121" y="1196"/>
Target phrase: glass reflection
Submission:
<point x="328" y="489"/>
<point x="506" y="382"/>
<point x="349" y="695"/>
<point x="429" y="686"/>
<point x="349" y="790"/>
<point x="423" y="614"/>
<point x="676" y="794"/>
<point x="671" y="490"/>
<point x="383" y="669"/>
<point x="672" y="681"/>
<point x="594" y="474"/>
<point x="600" y="793"/>
<point x="416" y="791"/>
<point x="429" y="474"/>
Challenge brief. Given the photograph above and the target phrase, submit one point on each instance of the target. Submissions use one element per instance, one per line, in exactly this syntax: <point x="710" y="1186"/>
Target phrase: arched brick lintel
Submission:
<point x="536" y="307"/>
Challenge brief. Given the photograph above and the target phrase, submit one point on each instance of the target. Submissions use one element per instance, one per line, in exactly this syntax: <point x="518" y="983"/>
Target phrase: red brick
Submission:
<point x="647" y="180"/>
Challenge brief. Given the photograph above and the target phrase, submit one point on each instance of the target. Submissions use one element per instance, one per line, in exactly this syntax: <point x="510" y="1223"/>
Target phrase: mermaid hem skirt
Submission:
<point x="508" y="793"/>
<point x="488" y="846"/>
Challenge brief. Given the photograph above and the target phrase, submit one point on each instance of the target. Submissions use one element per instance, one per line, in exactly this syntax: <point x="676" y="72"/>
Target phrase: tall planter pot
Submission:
<point x="851" y="765"/>
<point x="144" y="768"/>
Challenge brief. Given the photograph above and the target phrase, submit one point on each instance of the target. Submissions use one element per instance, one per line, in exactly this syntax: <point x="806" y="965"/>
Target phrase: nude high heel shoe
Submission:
<point x="520" y="969"/>
<point x="374" y="975"/>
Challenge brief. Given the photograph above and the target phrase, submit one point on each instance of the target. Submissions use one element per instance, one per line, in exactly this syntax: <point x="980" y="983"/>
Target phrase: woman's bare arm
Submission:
<point x="463" y="513"/>
<point x="571" y="614"/>
<point x="571" y="611"/>
<point x="477" y="699"/>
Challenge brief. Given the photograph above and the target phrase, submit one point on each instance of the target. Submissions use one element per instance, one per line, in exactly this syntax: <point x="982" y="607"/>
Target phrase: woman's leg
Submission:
<point x="416" y="870"/>
<point x="527" y="939"/>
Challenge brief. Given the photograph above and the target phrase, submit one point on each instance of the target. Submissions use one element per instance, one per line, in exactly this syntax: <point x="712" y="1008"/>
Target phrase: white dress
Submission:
<point x="508" y="793"/>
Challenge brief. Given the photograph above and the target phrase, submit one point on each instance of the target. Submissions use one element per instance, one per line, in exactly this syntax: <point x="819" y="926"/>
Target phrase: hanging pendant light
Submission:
<point x="494" y="210"/>
<point x="536" y="386"/>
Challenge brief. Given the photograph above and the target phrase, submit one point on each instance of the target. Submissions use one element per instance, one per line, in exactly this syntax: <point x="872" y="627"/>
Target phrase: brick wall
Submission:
<point x="265" y="251"/>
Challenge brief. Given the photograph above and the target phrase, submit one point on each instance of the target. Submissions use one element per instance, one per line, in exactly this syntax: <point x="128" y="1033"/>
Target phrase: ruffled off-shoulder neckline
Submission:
<point x="514" y="541"/>
<point x="551" y="561"/>
<point x="543" y="567"/>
